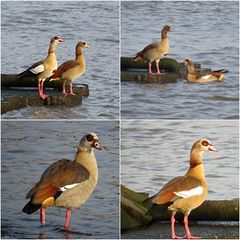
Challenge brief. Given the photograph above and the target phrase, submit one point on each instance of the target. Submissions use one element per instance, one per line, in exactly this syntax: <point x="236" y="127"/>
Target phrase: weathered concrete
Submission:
<point x="147" y="78"/>
<point x="135" y="213"/>
<point x="166" y="64"/>
<point x="171" y="71"/>
<point x="12" y="80"/>
<point x="16" y="98"/>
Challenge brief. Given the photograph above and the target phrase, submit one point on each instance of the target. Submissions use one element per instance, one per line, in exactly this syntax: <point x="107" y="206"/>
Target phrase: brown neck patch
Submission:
<point x="195" y="159"/>
<point x="164" y="34"/>
<point x="195" y="163"/>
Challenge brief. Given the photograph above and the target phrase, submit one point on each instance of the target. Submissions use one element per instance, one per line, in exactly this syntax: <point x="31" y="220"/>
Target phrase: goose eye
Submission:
<point x="205" y="143"/>
<point x="89" y="137"/>
<point x="55" y="38"/>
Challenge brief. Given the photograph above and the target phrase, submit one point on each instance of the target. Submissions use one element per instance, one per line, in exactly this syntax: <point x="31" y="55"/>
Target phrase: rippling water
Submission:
<point x="26" y="31"/>
<point x="153" y="152"/>
<point x="28" y="148"/>
<point x="206" y="32"/>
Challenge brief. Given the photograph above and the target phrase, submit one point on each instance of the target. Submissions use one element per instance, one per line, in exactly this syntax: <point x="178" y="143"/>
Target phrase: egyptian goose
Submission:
<point x="71" y="69"/>
<point x="213" y="76"/>
<point x="44" y="68"/>
<point x="186" y="192"/>
<point x="65" y="183"/>
<point x="155" y="51"/>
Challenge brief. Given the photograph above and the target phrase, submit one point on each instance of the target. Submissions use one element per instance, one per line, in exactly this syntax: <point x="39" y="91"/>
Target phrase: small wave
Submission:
<point x="223" y="98"/>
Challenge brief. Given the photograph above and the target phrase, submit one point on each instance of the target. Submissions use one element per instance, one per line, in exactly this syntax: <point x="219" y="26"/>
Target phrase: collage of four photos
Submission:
<point x="120" y="119"/>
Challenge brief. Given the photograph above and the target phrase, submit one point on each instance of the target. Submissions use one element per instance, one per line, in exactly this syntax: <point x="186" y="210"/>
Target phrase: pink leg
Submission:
<point x="40" y="90"/>
<point x="150" y="68"/>
<point x="43" y="215"/>
<point x="188" y="233"/>
<point x="174" y="236"/>
<point x="71" y="90"/>
<point x="64" y="89"/>
<point x="44" y="96"/>
<point x="157" y="65"/>
<point x="68" y="215"/>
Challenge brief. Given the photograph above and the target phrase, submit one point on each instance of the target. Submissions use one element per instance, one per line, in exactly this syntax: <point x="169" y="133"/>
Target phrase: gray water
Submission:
<point x="27" y="28"/>
<point x="28" y="148"/>
<point x="206" y="32"/>
<point x="153" y="152"/>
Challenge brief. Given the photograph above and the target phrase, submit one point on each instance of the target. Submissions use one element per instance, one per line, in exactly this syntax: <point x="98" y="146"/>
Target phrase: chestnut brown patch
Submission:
<point x="90" y="137"/>
<point x="205" y="143"/>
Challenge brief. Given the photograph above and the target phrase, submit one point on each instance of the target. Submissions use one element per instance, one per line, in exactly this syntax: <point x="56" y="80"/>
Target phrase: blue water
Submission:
<point x="28" y="148"/>
<point x="27" y="28"/>
<point x="206" y="32"/>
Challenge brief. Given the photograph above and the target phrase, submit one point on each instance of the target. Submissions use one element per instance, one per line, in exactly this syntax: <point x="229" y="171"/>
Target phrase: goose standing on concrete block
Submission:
<point x="65" y="183"/>
<point x="44" y="68"/>
<point x="213" y="76"/>
<point x="155" y="51"/>
<point x="71" y="69"/>
<point x="186" y="192"/>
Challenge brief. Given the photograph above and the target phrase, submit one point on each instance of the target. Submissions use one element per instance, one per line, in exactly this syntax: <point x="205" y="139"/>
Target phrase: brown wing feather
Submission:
<point x="43" y="193"/>
<point x="64" y="67"/>
<point x="57" y="175"/>
<point x="177" y="184"/>
<point x="147" y="48"/>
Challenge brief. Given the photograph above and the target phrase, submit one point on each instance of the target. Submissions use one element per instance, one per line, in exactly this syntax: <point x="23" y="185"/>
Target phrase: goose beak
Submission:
<point x="61" y="40"/>
<point x="213" y="149"/>
<point x="97" y="145"/>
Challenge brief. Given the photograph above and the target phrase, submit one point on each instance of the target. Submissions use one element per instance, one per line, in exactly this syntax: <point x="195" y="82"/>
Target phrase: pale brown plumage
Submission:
<point x="72" y="69"/>
<point x="155" y="51"/>
<point x="66" y="183"/>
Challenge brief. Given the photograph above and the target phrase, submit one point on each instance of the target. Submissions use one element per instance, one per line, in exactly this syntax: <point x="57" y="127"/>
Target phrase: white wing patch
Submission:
<point x="190" y="193"/>
<point x="38" y="69"/>
<point x="67" y="187"/>
<point x="206" y="77"/>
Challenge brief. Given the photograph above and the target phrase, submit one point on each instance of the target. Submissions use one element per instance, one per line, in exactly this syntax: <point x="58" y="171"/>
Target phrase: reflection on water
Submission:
<point x="153" y="152"/>
<point x="28" y="148"/>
